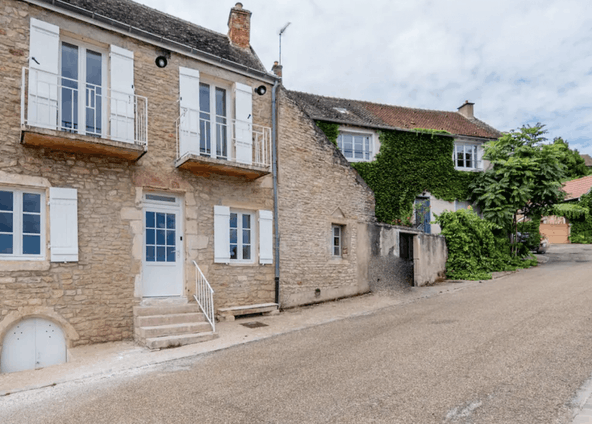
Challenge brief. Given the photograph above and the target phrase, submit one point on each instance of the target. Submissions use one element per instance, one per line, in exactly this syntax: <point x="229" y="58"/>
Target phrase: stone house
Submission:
<point x="137" y="178"/>
<point x="360" y="123"/>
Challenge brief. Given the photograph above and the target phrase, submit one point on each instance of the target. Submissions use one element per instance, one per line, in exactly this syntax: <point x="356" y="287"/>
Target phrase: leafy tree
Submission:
<point x="574" y="163"/>
<point x="525" y="177"/>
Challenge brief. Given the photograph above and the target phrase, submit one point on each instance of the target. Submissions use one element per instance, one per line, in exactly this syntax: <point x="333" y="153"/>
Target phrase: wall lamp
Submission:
<point x="163" y="59"/>
<point x="261" y="90"/>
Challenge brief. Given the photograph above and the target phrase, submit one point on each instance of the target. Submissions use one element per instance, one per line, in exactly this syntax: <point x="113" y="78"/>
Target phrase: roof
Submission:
<point x="164" y="25"/>
<point x="587" y="159"/>
<point x="374" y="115"/>
<point x="577" y="188"/>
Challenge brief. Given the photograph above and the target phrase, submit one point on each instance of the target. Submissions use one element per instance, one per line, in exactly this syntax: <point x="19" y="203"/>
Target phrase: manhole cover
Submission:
<point x="254" y="324"/>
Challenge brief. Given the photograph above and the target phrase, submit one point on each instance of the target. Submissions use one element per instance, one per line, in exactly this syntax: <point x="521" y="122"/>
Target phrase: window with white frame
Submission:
<point x="337" y="241"/>
<point x="213" y="121"/>
<point x="355" y="147"/>
<point x="22" y="222"/>
<point x="241" y="236"/>
<point x="466" y="156"/>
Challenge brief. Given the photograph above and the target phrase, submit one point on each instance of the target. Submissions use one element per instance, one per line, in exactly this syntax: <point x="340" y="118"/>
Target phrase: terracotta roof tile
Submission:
<point x="577" y="188"/>
<point x="374" y="115"/>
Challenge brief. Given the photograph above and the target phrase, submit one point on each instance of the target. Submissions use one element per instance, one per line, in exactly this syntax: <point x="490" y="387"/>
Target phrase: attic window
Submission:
<point x="341" y="110"/>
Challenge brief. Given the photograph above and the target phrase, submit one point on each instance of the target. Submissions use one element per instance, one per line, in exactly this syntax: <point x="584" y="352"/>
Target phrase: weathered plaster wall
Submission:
<point x="95" y="295"/>
<point x="318" y="188"/>
<point x="430" y="263"/>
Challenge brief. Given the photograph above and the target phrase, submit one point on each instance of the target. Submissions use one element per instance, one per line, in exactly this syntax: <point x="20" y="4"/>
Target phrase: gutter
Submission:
<point x="84" y="15"/>
<point x="275" y="190"/>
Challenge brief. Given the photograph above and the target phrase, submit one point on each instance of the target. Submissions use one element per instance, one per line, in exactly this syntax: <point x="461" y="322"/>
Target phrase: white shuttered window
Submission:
<point x="122" y="94"/>
<point x="189" y="111"/>
<point x="265" y="237"/>
<point x="244" y="123"/>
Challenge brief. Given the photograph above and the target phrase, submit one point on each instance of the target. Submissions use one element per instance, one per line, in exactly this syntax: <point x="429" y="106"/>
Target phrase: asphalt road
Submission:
<point x="513" y="350"/>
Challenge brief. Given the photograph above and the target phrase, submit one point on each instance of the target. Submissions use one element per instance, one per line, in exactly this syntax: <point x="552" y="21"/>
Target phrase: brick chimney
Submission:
<point x="277" y="69"/>
<point x="466" y="110"/>
<point x="239" y="26"/>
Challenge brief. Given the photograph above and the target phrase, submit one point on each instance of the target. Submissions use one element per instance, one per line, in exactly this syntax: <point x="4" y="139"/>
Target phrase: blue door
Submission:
<point x="422" y="214"/>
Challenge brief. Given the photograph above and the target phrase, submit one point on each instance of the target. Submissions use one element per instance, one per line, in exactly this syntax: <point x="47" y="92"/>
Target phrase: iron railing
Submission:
<point x="64" y="104"/>
<point x="204" y="296"/>
<point x="204" y="134"/>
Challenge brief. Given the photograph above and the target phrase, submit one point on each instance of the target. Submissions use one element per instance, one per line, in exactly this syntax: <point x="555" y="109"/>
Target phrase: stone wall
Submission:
<point x="318" y="188"/>
<point x="95" y="295"/>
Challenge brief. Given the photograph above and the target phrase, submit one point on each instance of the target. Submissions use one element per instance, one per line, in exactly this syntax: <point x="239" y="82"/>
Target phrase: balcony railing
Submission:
<point x="53" y="102"/>
<point x="222" y="141"/>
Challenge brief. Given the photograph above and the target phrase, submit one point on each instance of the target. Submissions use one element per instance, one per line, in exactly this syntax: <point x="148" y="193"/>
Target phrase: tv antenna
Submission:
<point x="280" y="34"/>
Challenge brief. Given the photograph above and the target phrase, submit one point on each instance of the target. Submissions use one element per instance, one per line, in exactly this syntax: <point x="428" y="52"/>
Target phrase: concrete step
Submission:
<point x="179" y="340"/>
<point x="228" y="314"/>
<point x="141" y="311"/>
<point x="173" y="329"/>
<point x="155" y="320"/>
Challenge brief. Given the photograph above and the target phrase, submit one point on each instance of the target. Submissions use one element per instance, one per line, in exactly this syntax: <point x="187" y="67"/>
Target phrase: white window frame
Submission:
<point x="239" y="245"/>
<point x="82" y="48"/>
<point x="476" y="161"/>
<point x="339" y="246"/>
<point x="17" y="226"/>
<point x="213" y="84"/>
<point x="355" y="132"/>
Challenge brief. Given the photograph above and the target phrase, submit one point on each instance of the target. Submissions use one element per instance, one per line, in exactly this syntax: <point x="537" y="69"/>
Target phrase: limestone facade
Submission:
<point x="95" y="295"/>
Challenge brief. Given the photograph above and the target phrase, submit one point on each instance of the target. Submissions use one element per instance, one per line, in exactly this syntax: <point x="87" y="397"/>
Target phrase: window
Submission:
<point x="241" y="236"/>
<point x="466" y="156"/>
<point x="21" y="224"/>
<point x="337" y="240"/>
<point x="82" y="78"/>
<point x="355" y="147"/>
<point x="213" y="121"/>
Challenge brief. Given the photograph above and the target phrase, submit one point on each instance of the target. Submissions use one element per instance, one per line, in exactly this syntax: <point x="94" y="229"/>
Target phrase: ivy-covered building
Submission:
<point x="428" y="156"/>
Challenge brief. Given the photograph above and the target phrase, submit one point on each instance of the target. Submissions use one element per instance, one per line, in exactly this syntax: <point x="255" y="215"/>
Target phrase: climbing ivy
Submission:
<point x="330" y="129"/>
<point x="408" y="164"/>
<point x="581" y="227"/>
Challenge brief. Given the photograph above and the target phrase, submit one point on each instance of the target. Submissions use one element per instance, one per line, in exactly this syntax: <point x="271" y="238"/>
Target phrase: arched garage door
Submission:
<point x="32" y="343"/>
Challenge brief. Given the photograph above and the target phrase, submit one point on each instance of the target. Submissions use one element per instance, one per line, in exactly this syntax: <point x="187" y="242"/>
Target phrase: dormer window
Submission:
<point x="356" y="147"/>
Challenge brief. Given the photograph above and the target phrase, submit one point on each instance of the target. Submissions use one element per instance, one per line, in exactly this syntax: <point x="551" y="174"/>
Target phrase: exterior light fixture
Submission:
<point x="161" y="61"/>
<point x="261" y="90"/>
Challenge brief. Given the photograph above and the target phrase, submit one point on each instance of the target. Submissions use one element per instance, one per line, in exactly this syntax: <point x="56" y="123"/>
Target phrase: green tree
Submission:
<point x="575" y="166"/>
<point x="525" y="178"/>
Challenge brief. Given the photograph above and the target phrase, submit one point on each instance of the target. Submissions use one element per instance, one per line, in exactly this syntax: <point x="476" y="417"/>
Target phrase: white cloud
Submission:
<point x="519" y="61"/>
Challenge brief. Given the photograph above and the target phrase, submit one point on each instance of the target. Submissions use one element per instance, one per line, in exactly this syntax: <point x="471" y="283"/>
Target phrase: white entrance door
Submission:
<point x="163" y="246"/>
<point x="31" y="344"/>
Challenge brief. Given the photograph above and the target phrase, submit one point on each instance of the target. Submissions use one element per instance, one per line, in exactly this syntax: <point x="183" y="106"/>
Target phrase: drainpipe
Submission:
<point x="275" y="190"/>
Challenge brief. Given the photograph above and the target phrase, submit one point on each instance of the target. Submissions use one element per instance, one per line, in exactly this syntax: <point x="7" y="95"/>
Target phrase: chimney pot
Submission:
<point x="466" y="110"/>
<point x="277" y="69"/>
<point x="239" y="26"/>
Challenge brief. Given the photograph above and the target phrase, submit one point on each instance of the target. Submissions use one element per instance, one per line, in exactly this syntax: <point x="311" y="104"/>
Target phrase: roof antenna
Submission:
<point x="280" y="34"/>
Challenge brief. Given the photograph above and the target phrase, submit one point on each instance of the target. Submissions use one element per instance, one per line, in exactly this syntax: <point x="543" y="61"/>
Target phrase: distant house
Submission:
<point x="360" y="123"/>
<point x="587" y="160"/>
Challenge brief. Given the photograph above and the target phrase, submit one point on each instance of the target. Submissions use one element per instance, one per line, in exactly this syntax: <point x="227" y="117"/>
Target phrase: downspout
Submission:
<point x="276" y="226"/>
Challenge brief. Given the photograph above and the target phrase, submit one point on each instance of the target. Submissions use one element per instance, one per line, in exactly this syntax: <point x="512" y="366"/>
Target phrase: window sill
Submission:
<point x="243" y="263"/>
<point x="24" y="265"/>
<point x="337" y="261"/>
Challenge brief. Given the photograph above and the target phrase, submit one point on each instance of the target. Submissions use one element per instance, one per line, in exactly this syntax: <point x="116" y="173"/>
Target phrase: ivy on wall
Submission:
<point x="581" y="227"/>
<point x="408" y="164"/>
<point x="330" y="129"/>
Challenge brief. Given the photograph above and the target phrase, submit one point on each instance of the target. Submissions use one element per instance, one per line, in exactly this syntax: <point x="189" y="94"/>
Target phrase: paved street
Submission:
<point x="514" y="350"/>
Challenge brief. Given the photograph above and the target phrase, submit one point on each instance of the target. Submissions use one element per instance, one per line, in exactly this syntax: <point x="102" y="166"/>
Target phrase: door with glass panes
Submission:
<point x="162" y="271"/>
<point x="82" y="88"/>
<point x="213" y="122"/>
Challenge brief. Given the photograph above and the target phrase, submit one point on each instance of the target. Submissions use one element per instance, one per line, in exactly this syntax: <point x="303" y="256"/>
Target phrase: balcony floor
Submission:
<point x="204" y="166"/>
<point x="76" y="143"/>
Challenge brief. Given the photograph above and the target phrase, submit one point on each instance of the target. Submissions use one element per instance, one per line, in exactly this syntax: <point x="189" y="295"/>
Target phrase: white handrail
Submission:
<point x="64" y="104"/>
<point x="204" y="296"/>
<point x="218" y="137"/>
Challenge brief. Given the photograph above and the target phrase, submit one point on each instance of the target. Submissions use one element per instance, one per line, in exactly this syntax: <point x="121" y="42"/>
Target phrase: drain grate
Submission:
<point x="254" y="324"/>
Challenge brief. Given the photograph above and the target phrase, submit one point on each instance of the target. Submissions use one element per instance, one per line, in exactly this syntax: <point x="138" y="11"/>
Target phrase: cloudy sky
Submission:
<point x="519" y="61"/>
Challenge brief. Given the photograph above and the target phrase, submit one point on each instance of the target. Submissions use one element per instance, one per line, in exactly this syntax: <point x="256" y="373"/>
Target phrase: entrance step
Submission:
<point x="167" y="325"/>
<point x="229" y="314"/>
<point x="179" y="340"/>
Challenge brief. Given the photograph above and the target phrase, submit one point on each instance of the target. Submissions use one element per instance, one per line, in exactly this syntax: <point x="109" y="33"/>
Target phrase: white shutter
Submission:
<point x="221" y="234"/>
<point x="243" y="98"/>
<point x="189" y="112"/>
<point x="63" y="217"/>
<point x="43" y="74"/>
<point x="265" y="237"/>
<point x="122" y="94"/>
<point x="479" y="154"/>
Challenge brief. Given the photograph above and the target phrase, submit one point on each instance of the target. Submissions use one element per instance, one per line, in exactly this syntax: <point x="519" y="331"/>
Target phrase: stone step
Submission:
<point x="228" y="314"/>
<point x="173" y="329"/>
<point x="155" y="320"/>
<point x="141" y="311"/>
<point x="179" y="340"/>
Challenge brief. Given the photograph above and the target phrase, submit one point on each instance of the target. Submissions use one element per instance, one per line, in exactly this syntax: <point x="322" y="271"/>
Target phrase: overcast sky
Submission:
<point x="519" y="61"/>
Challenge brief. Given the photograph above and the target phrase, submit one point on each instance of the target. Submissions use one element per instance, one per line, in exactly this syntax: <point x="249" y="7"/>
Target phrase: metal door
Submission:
<point x="31" y="344"/>
<point x="422" y="214"/>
